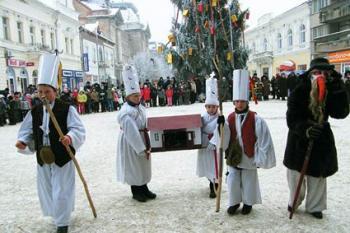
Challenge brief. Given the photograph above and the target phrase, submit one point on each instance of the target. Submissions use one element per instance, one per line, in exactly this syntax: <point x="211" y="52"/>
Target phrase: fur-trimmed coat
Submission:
<point x="323" y="160"/>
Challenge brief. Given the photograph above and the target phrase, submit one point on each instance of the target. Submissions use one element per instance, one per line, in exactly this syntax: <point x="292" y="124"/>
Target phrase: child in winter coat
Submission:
<point x="169" y="95"/>
<point x="133" y="153"/>
<point x="207" y="165"/>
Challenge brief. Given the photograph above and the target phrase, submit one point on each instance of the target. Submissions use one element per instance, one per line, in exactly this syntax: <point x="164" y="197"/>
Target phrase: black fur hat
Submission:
<point x="321" y="64"/>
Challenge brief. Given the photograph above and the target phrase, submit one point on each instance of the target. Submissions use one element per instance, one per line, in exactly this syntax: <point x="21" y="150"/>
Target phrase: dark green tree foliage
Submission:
<point x="196" y="32"/>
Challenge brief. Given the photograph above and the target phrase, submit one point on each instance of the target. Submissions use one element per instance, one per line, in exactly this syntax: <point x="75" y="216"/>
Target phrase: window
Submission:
<point x="52" y="40"/>
<point x="318" y="4"/>
<point x="6" y="28"/>
<point x="265" y="44"/>
<point x="100" y="54"/>
<point x="253" y="48"/>
<point x="319" y="31"/>
<point x="20" y="32"/>
<point x="71" y="46"/>
<point x="67" y="44"/>
<point x="279" y="41"/>
<point x="32" y="34"/>
<point x="94" y="55"/>
<point x="290" y="37"/>
<point x="42" y="35"/>
<point x="302" y="34"/>
<point x="302" y="67"/>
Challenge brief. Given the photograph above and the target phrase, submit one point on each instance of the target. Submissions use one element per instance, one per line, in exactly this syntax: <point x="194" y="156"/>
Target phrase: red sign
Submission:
<point x="30" y="63"/>
<point x="16" y="63"/>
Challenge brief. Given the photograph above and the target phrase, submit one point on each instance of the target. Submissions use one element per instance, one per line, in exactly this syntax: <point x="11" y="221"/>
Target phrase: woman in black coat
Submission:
<point x="303" y="127"/>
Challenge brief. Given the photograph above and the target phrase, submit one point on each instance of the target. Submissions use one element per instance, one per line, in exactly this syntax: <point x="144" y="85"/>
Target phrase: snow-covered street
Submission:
<point x="182" y="204"/>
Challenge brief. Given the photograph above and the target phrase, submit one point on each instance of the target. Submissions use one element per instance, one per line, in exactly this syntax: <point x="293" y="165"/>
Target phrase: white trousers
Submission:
<point x="243" y="186"/>
<point x="56" y="190"/>
<point x="316" y="196"/>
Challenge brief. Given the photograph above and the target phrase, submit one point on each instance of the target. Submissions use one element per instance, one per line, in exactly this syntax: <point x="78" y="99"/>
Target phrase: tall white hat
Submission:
<point x="211" y="91"/>
<point x="49" y="70"/>
<point x="240" y="85"/>
<point x="131" y="81"/>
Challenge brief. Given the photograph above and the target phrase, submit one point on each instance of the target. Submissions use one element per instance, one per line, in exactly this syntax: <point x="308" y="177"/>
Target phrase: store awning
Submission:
<point x="288" y="65"/>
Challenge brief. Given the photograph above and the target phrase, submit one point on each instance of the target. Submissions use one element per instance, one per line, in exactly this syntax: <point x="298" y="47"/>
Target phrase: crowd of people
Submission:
<point x="93" y="98"/>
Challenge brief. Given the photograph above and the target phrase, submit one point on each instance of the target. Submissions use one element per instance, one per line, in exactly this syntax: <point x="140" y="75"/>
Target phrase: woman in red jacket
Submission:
<point x="147" y="95"/>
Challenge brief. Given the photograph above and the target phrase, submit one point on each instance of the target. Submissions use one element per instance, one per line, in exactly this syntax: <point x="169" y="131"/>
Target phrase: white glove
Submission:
<point x="211" y="147"/>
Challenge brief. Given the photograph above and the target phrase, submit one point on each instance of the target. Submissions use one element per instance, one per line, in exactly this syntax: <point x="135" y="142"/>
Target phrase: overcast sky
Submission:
<point x="158" y="13"/>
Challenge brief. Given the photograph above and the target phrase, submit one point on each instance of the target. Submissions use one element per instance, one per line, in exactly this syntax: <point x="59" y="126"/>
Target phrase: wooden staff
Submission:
<point x="58" y="128"/>
<point x="221" y="152"/>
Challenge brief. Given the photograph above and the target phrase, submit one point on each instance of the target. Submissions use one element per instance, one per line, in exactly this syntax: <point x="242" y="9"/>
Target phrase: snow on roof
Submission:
<point x="174" y="122"/>
<point x="129" y="15"/>
<point x="91" y="26"/>
<point x="93" y="6"/>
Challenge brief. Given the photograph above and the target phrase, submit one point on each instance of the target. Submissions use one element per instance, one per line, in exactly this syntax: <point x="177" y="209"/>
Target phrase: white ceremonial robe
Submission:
<point x="206" y="158"/>
<point x="56" y="185"/>
<point x="243" y="185"/>
<point x="133" y="167"/>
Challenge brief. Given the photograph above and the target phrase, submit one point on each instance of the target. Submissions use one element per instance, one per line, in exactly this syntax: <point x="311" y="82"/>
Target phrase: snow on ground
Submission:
<point x="182" y="204"/>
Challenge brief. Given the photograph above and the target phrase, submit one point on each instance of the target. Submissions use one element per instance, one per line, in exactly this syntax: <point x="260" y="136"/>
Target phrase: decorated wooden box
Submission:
<point x="170" y="133"/>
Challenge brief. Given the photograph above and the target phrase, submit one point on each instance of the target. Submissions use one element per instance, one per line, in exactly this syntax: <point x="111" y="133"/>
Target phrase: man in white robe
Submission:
<point x="55" y="181"/>
<point x="133" y="151"/>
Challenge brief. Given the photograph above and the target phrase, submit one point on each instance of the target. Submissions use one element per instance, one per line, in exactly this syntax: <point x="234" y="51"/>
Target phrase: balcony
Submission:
<point x="334" y="45"/>
<point x="335" y="12"/>
<point x="333" y="36"/>
<point x="262" y="57"/>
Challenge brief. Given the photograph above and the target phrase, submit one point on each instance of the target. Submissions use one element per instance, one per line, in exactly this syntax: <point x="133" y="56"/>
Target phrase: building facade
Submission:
<point x="280" y="41"/>
<point x="31" y="28"/>
<point x="330" y="28"/>
<point x="98" y="55"/>
<point x="119" y="23"/>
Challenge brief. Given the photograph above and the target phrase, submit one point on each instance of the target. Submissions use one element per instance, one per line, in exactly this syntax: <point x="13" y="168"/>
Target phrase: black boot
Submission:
<point x="246" y="209"/>
<point x="317" y="215"/>
<point x="147" y="192"/>
<point x="63" y="229"/>
<point x="232" y="209"/>
<point x="212" y="191"/>
<point x="138" y="194"/>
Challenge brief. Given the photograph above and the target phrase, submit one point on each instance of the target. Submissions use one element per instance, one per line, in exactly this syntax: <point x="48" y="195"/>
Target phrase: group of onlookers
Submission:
<point x="162" y="92"/>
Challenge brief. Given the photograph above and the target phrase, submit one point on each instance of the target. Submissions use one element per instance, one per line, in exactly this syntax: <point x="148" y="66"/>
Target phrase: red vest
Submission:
<point x="248" y="132"/>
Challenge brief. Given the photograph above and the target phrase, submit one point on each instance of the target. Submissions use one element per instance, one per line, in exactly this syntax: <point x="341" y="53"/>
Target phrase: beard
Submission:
<point x="318" y="95"/>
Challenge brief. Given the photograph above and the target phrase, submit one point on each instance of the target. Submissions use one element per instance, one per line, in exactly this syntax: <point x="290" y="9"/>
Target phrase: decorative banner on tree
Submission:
<point x="206" y="24"/>
<point x="229" y="56"/>
<point x="214" y="3"/>
<point x="234" y="18"/>
<point x="190" y="50"/>
<point x="160" y="49"/>
<point x="212" y="30"/>
<point x="170" y="58"/>
<point x="186" y="13"/>
<point x="172" y="39"/>
<point x="200" y="7"/>
<point x="197" y="29"/>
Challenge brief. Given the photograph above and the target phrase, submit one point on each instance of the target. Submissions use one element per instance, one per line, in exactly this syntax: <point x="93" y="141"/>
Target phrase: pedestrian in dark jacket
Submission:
<point x="2" y="110"/>
<point x="309" y="107"/>
<point x="292" y="82"/>
<point x="347" y="82"/>
<point x="282" y="86"/>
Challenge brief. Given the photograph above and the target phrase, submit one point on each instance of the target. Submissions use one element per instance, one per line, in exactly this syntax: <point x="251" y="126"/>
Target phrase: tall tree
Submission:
<point x="209" y="29"/>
